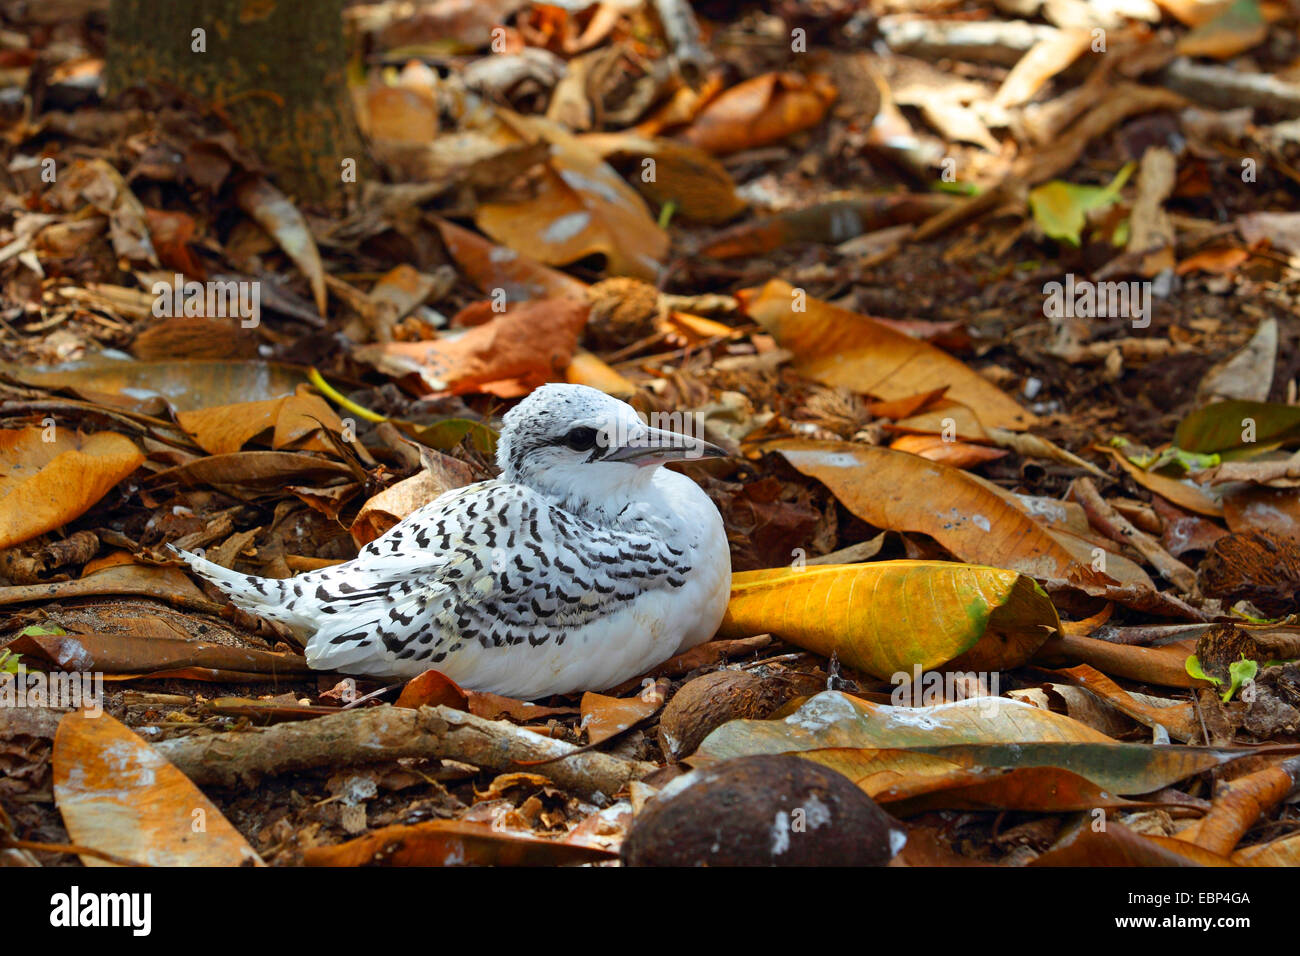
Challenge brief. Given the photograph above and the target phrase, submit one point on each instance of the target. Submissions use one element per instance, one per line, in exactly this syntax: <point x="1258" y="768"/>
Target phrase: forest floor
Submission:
<point x="1034" y="277"/>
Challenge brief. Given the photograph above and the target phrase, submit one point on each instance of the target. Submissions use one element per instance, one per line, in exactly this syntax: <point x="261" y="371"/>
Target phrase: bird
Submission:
<point x="582" y="565"/>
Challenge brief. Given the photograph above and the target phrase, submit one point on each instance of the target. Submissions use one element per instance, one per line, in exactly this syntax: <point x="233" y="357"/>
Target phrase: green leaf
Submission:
<point x="1194" y="669"/>
<point x="41" y="630"/>
<point x="1225" y="425"/>
<point x="1061" y="209"/>
<point x="446" y="435"/>
<point x="11" y="663"/>
<point x="1240" y="672"/>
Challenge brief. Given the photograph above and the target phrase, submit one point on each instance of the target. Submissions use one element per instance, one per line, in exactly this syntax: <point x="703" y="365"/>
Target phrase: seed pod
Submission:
<point x="765" y="810"/>
<point x="708" y="702"/>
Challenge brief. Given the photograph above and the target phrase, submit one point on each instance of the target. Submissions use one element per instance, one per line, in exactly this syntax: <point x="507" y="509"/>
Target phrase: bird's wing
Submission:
<point x="495" y="564"/>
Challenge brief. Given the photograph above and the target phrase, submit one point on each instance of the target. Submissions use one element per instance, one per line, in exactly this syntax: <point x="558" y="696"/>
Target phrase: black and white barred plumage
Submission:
<point x="581" y="566"/>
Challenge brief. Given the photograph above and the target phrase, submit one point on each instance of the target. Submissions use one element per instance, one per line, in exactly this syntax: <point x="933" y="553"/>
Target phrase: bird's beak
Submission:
<point x="654" y="446"/>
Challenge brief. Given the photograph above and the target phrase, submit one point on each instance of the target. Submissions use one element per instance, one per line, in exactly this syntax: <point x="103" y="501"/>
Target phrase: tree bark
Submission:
<point x="275" y="69"/>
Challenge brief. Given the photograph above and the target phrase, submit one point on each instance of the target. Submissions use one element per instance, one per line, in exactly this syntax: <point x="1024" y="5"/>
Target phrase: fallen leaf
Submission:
<point x="118" y="795"/>
<point x="103" y="187"/>
<point x="431" y="689"/>
<point x="830" y="222"/>
<point x="438" y="474"/>
<point x="185" y="385"/>
<point x="698" y="186"/>
<point x="256" y="470"/>
<point x="224" y="429"/>
<point x="490" y="266"/>
<point x="1185" y="494"/>
<point x="1234" y="31"/>
<point x="759" y="111"/>
<point x="581" y="207"/>
<point x="1046" y="58"/>
<point x="900" y="492"/>
<point x="453" y="843"/>
<point x="1162" y="665"/>
<point x="834" y="719"/>
<point x="1281" y="852"/>
<point x="131" y="654"/>
<point x="529" y="345"/>
<point x="954" y="454"/>
<point x="1239" y="803"/>
<point x="1061" y="209"/>
<point x="837" y="347"/>
<point x="1117" y="845"/>
<point x="605" y="717"/>
<point x="590" y="370"/>
<point x="46" y="484"/>
<point x="1276" y="510"/>
<point x="977" y="618"/>
<point x="1246" y="375"/>
<point x="273" y="211"/>
<point x="163" y="583"/>
<point x="1179" y="719"/>
<point x="1234" y="424"/>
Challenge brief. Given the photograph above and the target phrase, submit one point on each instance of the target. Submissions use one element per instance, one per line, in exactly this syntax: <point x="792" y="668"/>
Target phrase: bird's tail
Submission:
<point x="265" y="597"/>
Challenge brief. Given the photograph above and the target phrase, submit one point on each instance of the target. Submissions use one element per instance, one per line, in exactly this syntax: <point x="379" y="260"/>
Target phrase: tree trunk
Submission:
<point x="276" y="69"/>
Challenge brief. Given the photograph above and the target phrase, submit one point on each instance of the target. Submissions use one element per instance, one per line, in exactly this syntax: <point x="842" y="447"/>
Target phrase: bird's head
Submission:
<point x="563" y="438"/>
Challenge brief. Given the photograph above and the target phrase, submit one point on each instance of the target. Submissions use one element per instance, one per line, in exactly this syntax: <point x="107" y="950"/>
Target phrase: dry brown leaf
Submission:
<point x="606" y="717"/>
<point x="44" y="485"/>
<point x="837" y="347"/>
<point x="697" y="184"/>
<point x="763" y="110"/>
<point x="1165" y="665"/>
<point x="1181" y="493"/>
<point x="295" y="419"/>
<point x="955" y="454"/>
<point x="581" y="207"/>
<point x="438" y="474"/>
<point x="591" y="370"/>
<point x="490" y="266"/>
<point x="1239" y="803"/>
<point x="134" y="654"/>
<point x="120" y="796"/>
<point x="901" y="492"/>
<point x="1044" y="60"/>
<point x="508" y="356"/>
<point x="103" y="187"/>
<point x="273" y="211"/>
<point x="453" y="843"/>
<point x="1117" y="845"/>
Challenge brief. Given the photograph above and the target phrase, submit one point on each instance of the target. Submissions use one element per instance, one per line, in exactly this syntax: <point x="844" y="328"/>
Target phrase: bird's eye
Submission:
<point x="581" y="439"/>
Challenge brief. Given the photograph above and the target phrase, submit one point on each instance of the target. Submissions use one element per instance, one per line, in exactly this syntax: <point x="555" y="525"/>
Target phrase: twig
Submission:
<point x="390" y="733"/>
<point x="68" y="848"/>
<point x="1118" y="528"/>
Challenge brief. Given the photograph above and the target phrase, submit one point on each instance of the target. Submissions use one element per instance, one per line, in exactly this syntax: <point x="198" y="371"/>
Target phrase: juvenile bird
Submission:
<point x="583" y="565"/>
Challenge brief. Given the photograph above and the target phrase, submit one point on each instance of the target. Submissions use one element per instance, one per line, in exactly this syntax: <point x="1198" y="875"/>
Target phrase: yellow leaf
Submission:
<point x="888" y="617"/>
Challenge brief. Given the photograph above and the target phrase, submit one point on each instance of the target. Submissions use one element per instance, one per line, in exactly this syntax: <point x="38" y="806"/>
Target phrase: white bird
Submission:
<point x="583" y="565"/>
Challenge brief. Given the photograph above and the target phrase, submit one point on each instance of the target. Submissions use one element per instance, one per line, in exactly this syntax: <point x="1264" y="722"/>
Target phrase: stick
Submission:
<point x="389" y="733"/>
<point x="1118" y="528"/>
<point x="1225" y="88"/>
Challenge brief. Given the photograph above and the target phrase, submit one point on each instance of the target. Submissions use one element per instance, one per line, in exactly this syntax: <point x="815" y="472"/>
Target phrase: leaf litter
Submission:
<point x="982" y="528"/>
